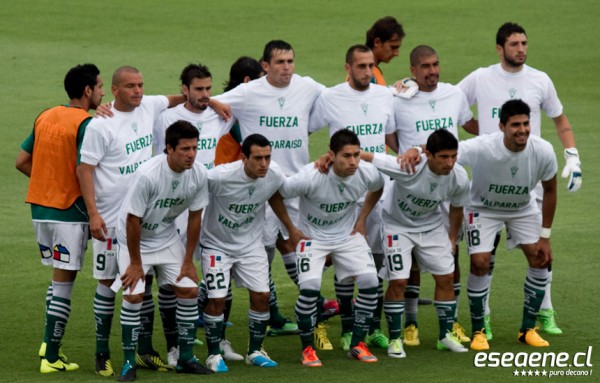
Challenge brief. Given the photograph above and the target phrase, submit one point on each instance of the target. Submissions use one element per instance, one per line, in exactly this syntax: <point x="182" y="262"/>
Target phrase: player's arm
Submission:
<point x="455" y="217"/>
<point x="472" y="127"/>
<point x="85" y="173"/>
<point x="276" y="202"/>
<point x="572" y="168"/>
<point x="391" y="140"/>
<point x="24" y="162"/>
<point x="134" y="271"/>
<point x="175" y="99"/>
<point x="370" y="201"/>
<point x="188" y="269"/>
<point x="223" y="110"/>
<point x="548" y="210"/>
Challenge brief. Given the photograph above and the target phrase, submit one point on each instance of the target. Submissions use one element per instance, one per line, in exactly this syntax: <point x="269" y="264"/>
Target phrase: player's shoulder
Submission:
<point x="225" y="170"/>
<point x="535" y="73"/>
<point x="460" y="174"/>
<point x="539" y="142"/>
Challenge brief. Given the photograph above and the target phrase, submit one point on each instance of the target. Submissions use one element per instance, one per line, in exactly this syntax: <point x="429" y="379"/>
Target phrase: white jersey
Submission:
<point x="503" y="180"/>
<point x="116" y="146"/>
<point x="413" y="203"/>
<point x="416" y="118"/>
<point x="491" y="87"/>
<point x="158" y="195"/>
<point x="234" y="219"/>
<point x="280" y="114"/>
<point x="210" y="126"/>
<point x="328" y="203"/>
<point x="368" y="113"/>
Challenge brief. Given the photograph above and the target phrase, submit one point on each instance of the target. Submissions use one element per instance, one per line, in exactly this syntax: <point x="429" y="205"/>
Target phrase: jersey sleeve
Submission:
<point x="235" y="98"/>
<point x="95" y="143"/>
<point x="460" y="196"/>
<point x="27" y="145"/>
<point x="467" y="151"/>
<point x="140" y="196"/>
<point x="159" y="103"/>
<point x="158" y="134"/>
<point x="213" y="177"/>
<point x="376" y="181"/>
<point x="389" y="166"/>
<point x="318" y="115"/>
<point x="80" y="135"/>
<point x="550" y="164"/>
<point x="200" y="200"/>
<point x="468" y="86"/>
<point x="465" y="114"/>
<point x="551" y="105"/>
<point x="298" y="184"/>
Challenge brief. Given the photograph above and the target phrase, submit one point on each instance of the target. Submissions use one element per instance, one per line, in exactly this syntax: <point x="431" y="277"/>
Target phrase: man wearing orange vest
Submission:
<point x="58" y="211"/>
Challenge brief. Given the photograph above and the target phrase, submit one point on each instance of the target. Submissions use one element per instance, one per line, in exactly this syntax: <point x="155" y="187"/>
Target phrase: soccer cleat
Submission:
<point x="260" y="358"/>
<point x="152" y="361"/>
<point x="289" y="328"/>
<point x="361" y="352"/>
<point x="425" y="301"/>
<point x="345" y="341"/>
<point x="173" y="356"/>
<point x="216" y="363"/>
<point x="330" y="308"/>
<point x="198" y="342"/>
<point x="487" y="324"/>
<point x="128" y="373"/>
<point x="532" y="338"/>
<point x="103" y="365"/>
<point x="47" y="367"/>
<point x="411" y="335"/>
<point x="480" y="341"/>
<point x="395" y="349"/>
<point x="377" y="339"/>
<point x="321" y="339"/>
<point x="310" y="358"/>
<point x="61" y="354"/>
<point x="547" y="319"/>
<point x="192" y="366"/>
<point x="228" y="352"/>
<point x="459" y="333"/>
<point x="200" y="321"/>
<point x="452" y="343"/>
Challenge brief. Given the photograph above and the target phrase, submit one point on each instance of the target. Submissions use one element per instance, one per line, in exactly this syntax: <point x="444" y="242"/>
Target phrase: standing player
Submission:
<point x="233" y="221"/>
<point x="414" y="224"/>
<point x="489" y="88"/>
<point x="277" y="106"/>
<point x="161" y="190"/>
<point x="331" y="220"/>
<point x="367" y="110"/>
<point x="49" y="158"/>
<point x="436" y="106"/>
<point x="112" y="150"/>
<point x="505" y="167"/>
<point x="384" y="38"/>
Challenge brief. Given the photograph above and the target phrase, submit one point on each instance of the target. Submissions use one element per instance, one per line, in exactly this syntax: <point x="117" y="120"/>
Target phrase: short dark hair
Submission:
<point x="355" y="48"/>
<point x="193" y="71"/>
<point x="512" y="108"/>
<point x="78" y="77"/>
<point x="342" y="138"/>
<point x="506" y="30"/>
<point x="178" y="130"/>
<point x="384" y="29"/>
<point x="420" y="51"/>
<point x="254" y="139"/>
<point x="440" y="140"/>
<point x="242" y="67"/>
<point x="116" y="78"/>
<point x="275" y="45"/>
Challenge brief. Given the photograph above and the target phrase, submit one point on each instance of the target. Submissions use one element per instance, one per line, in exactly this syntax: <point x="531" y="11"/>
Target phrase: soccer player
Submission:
<point x="489" y="88"/>
<point x="112" y="150"/>
<point x="49" y="158"/>
<point x="505" y="167"/>
<point x="234" y="220"/>
<point x="161" y="190"/>
<point x="277" y="106"/>
<point x="435" y="106"/>
<point x="367" y="110"/>
<point x="414" y="224"/>
<point x="384" y="38"/>
<point x="330" y="219"/>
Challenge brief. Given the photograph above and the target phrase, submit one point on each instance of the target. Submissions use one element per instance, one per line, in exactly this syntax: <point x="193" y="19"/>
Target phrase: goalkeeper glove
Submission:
<point x="572" y="169"/>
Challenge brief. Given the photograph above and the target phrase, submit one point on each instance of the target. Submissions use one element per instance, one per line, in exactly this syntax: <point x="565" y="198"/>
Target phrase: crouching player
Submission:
<point x="333" y="226"/>
<point x="232" y="245"/>
<point x="413" y="222"/>
<point x="163" y="188"/>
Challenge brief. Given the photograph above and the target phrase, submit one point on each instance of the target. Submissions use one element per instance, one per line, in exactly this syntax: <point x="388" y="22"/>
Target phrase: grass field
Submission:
<point x="41" y="39"/>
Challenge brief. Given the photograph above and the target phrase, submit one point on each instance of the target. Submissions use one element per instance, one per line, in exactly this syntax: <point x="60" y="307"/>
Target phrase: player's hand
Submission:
<point x="572" y="170"/>
<point x="296" y="235"/>
<point x="323" y="163"/>
<point x="544" y="252"/>
<point x="188" y="269"/>
<point x="223" y="110"/>
<point x="131" y="276"/>
<point x="405" y="88"/>
<point x="104" y="110"/>
<point x="97" y="227"/>
<point x="409" y="160"/>
<point x="360" y="227"/>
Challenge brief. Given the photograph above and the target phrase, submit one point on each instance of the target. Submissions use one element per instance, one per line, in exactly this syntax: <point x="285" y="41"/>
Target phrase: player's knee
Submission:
<point x="215" y="306"/>
<point x="136" y="298"/>
<point x="367" y="281"/>
<point x="395" y="290"/>
<point x="259" y="301"/>
<point x="445" y="282"/>
<point x="186" y="292"/>
<point x="106" y="282"/>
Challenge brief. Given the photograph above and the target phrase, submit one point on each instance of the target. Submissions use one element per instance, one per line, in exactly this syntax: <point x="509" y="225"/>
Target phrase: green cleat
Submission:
<point x="345" y="341"/>
<point x="487" y="325"/>
<point x="378" y="339"/>
<point x="289" y="328"/>
<point x="547" y="319"/>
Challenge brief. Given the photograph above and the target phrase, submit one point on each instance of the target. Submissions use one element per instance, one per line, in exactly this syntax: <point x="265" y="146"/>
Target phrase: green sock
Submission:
<point x="366" y="301"/>
<point x="445" y="312"/>
<point x="187" y="315"/>
<point x="213" y="326"/>
<point x="49" y="292"/>
<point x="376" y="324"/>
<point x="257" y="325"/>
<point x="535" y="284"/>
<point x="411" y="299"/>
<point x="306" y="314"/>
<point x="104" y="309"/>
<point x="277" y="320"/>
<point x="227" y="310"/>
<point x="147" y="321"/>
<point x="130" y="325"/>
<point x="344" y="293"/>
<point x="393" y="313"/>
<point x="477" y="291"/>
<point x="57" y="317"/>
<point x="167" y="306"/>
